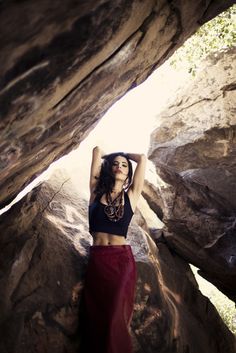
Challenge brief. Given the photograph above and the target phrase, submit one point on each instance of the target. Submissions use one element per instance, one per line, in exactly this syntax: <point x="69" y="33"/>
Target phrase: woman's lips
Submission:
<point x="118" y="171"/>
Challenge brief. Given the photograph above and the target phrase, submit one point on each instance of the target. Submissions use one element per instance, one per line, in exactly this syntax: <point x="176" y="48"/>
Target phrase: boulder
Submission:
<point x="196" y="132"/>
<point x="194" y="149"/>
<point x="45" y="244"/>
<point x="63" y="64"/>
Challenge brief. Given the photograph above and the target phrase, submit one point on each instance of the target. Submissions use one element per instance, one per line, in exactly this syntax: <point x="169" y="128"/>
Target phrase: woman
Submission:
<point x="111" y="273"/>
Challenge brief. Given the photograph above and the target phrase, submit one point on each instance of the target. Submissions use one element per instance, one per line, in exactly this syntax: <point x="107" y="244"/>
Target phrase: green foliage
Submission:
<point x="214" y="36"/>
<point x="224" y="306"/>
<point x="226" y="309"/>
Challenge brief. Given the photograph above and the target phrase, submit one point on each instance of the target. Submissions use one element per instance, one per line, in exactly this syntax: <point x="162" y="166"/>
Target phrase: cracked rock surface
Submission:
<point x="63" y="64"/>
<point x="194" y="151"/>
<point x="45" y="243"/>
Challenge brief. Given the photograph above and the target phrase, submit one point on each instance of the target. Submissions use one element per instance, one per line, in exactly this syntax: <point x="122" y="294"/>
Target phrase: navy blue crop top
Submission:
<point x="99" y="222"/>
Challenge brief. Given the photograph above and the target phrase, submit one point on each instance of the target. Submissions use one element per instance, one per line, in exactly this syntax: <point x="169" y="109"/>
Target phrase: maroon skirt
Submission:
<point x="109" y="298"/>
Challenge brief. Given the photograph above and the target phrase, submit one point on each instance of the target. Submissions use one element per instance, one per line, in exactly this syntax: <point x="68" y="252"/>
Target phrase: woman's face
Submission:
<point x="120" y="168"/>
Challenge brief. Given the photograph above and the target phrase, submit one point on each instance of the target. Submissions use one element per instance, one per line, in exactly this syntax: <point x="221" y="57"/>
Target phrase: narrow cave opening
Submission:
<point x="127" y="126"/>
<point x="191" y="179"/>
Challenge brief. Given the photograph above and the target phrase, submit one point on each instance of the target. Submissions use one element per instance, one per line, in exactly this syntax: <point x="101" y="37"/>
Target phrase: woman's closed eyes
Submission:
<point x="117" y="164"/>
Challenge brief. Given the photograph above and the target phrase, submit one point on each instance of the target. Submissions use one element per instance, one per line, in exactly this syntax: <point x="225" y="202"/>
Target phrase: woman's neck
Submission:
<point x="117" y="188"/>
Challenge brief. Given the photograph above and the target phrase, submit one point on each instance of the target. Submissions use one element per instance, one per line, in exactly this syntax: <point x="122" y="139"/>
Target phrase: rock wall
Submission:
<point x="194" y="150"/>
<point x="64" y="63"/>
<point x="45" y="240"/>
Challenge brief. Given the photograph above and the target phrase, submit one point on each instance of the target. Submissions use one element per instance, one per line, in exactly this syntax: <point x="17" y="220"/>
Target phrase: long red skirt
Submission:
<point x="109" y="298"/>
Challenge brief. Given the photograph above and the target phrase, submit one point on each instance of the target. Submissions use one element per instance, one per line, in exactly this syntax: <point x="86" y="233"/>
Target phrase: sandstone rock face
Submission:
<point x="45" y="241"/>
<point x="42" y="262"/>
<point x="63" y="64"/>
<point x="194" y="150"/>
<point x="197" y="135"/>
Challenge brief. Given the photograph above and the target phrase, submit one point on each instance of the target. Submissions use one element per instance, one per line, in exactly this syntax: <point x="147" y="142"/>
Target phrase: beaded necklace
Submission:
<point x="114" y="208"/>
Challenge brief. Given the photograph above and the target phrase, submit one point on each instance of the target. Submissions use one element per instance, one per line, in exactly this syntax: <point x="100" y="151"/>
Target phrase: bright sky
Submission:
<point x="127" y="125"/>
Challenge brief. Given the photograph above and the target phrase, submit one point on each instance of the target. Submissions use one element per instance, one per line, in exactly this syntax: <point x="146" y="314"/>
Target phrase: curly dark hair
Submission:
<point x="106" y="180"/>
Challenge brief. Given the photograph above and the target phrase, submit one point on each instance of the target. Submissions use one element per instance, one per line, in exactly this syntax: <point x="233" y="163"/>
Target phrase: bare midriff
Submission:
<point x="108" y="239"/>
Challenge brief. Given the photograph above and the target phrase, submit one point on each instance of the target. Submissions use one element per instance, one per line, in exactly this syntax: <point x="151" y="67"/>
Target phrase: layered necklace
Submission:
<point x="114" y="208"/>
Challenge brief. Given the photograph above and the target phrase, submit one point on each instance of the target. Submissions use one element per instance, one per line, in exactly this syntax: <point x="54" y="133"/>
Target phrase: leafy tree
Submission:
<point x="217" y="35"/>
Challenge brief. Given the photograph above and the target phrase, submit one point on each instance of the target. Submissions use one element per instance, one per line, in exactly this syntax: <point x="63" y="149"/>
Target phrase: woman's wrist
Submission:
<point x="136" y="157"/>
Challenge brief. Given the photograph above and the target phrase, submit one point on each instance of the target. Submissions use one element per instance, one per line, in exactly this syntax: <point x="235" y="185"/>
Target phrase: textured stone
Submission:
<point x="45" y="240"/>
<point x="196" y="132"/>
<point x="194" y="150"/>
<point x="63" y="64"/>
<point x="43" y="257"/>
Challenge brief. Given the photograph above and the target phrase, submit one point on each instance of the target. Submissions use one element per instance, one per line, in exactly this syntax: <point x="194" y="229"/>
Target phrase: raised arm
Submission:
<point x="95" y="170"/>
<point x="138" y="178"/>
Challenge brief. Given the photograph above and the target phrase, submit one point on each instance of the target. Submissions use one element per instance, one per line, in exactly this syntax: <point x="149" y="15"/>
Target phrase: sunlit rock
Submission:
<point x="45" y="243"/>
<point x="196" y="133"/>
<point x="63" y="64"/>
<point x="194" y="153"/>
